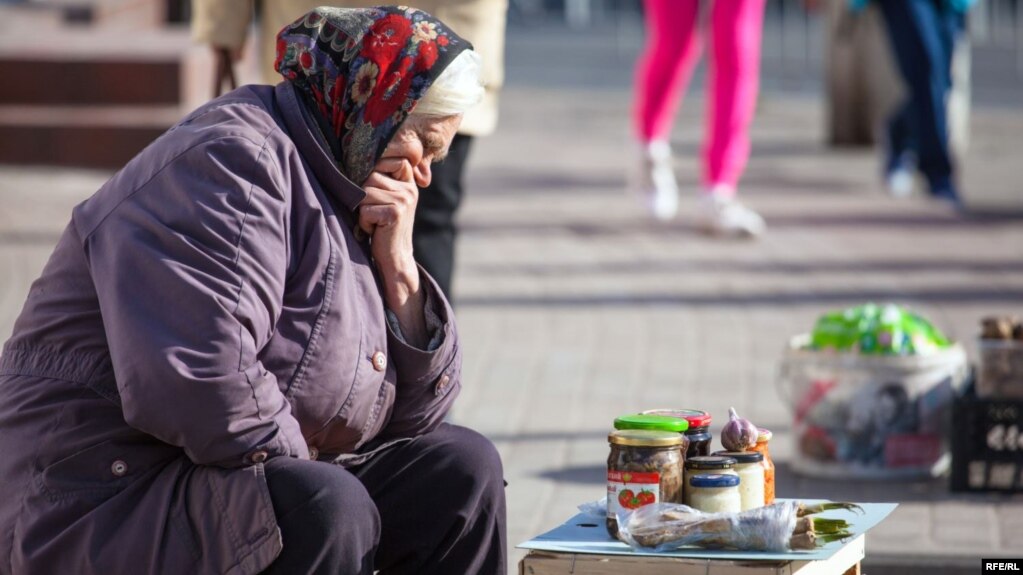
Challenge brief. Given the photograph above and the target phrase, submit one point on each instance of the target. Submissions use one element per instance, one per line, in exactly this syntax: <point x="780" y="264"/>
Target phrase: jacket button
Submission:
<point x="258" y="457"/>
<point x="119" y="468"/>
<point x="313" y="453"/>
<point x="379" y="361"/>
<point x="442" y="384"/>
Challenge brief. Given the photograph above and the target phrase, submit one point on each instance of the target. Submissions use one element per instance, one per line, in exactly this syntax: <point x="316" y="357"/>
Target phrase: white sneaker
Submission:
<point x="721" y="214"/>
<point x="900" y="183"/>
<point x="653" y="180"/>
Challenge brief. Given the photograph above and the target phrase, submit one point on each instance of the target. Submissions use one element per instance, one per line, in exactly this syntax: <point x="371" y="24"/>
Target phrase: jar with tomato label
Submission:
<point x="643" y="467"/>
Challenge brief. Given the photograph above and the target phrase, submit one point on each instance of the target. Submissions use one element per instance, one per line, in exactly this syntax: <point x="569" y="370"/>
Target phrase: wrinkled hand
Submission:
<point x="387" y="215"/>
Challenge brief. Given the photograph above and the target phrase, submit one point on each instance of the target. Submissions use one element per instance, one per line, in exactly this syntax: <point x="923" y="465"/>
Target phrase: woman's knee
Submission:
<point x="472" y="459"/>
<point x="320" y="497"/>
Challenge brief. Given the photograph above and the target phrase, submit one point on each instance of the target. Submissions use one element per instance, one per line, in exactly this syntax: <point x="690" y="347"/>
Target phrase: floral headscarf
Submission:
<point x="365" y="70"/>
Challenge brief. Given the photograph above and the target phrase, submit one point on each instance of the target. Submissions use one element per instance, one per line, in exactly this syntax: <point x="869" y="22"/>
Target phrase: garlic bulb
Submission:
<point x="739" y="434"/>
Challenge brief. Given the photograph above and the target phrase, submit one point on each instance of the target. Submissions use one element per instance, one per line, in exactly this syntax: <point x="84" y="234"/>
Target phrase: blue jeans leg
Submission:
<point x="901" y="150"/>
<point x="923" y="35"/>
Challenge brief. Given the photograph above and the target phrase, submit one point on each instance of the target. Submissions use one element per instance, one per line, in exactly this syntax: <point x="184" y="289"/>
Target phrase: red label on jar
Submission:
<point x="627" y="490"/>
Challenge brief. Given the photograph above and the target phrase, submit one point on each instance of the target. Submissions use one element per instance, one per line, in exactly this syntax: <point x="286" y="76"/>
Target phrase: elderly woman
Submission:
<point x="231" y="362"/>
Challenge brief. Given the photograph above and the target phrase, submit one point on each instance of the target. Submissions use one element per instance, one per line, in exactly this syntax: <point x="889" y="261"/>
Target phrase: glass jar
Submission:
<point x="762" y="440"/>
<point x="655" y="423"/>
<point x="715" y="493"/>
<point x="699" y="428"/>
<point x="706" y="465"/>
<point x="750" y="467"/>
<point x="643" y="467"/>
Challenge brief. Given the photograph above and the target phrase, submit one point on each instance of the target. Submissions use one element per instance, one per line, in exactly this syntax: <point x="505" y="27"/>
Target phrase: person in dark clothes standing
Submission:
<point x="923" y="35"/>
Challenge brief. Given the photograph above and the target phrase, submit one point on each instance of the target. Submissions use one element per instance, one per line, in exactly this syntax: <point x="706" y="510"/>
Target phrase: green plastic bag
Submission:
<point x="877" y="329"/>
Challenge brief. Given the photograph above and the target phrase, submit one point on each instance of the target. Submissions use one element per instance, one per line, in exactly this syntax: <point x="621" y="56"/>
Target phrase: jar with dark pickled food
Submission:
<point x="699" y="428"/>
<point x="643" y="467"/>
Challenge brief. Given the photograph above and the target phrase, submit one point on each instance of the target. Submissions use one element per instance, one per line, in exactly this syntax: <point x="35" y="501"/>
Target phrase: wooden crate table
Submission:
<point x="581" y="546"/>
<point x="844" y="562"/>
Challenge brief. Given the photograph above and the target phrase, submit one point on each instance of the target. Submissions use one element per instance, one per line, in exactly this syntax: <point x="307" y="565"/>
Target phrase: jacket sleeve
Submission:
<point x="221" y="23"/>
<point x="428" y="381"/>
<point x="189" y="271"/>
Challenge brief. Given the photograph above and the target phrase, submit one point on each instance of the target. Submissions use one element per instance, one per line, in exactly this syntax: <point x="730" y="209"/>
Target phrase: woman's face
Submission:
<point x="423" y="141"/>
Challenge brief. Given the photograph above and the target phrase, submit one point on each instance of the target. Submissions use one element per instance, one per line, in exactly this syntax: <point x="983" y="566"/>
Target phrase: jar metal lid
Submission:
<point x="645" y="438"/>
<point x="695" y="417"/>
<point x="742" y="456"/>
<point x="714" y="480"/>
<point x="710" y="462"/>
<point x="654" y="422"/>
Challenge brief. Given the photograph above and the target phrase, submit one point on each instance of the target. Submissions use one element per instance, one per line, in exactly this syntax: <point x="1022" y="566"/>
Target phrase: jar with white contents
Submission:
<point x="750" y="467"/>
<point x="714" y="493"/>
<point x="704" y="465"/>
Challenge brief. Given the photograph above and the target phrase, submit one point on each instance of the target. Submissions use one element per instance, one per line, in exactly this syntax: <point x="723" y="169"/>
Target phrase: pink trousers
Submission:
<point x="667" y="63"/>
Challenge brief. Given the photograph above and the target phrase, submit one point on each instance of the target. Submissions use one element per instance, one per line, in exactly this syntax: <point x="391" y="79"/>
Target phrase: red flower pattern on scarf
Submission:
<point x="386" y="39"/>
<point x="363" y="70"/>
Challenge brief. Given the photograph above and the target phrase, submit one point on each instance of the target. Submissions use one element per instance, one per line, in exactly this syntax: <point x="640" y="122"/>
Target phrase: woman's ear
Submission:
<point x="423" y="173"/>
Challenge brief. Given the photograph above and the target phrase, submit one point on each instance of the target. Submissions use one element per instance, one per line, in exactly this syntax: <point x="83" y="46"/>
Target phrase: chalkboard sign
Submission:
<point x="987" y="444"/>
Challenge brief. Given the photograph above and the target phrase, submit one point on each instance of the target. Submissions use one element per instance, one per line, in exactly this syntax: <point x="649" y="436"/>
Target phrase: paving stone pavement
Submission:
<point x="573" y="308"/>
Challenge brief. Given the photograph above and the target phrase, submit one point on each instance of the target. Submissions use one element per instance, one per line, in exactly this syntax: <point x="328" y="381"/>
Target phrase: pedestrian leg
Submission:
<point x="922" y="39"/>
<point x="734" y="84"/>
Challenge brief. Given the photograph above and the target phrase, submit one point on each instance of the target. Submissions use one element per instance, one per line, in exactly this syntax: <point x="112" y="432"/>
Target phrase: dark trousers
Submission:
<point x="434" y="505"/>
<point x="433" y="237"/>
<point x="923" y="35"/>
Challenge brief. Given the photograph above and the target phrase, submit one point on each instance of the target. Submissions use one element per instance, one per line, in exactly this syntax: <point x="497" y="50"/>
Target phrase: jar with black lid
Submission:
<point x="705" y="465"/>
<point x="698" y="430"/>
<point x="750" y="467"/>
<point x="643" y="467"/>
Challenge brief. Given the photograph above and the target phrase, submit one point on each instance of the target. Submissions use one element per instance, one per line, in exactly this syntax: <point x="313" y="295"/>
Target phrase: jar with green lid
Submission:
<point x="750" y="467"/>
<point x="656" y="423"/>
<point x="644" y="467"/>
<point x="698" y="431"/>
<point x="707" y="465"/>
<point x="715" y="493"/>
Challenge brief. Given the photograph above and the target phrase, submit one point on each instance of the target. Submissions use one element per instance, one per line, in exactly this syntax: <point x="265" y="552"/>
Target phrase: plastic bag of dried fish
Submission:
<point x="782" y="526"/>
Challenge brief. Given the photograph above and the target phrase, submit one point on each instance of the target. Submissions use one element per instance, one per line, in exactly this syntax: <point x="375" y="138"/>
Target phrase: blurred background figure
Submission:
<point x="223" y="24"/>
<point x="663" y="73"/>
<point x="923" y="35"/>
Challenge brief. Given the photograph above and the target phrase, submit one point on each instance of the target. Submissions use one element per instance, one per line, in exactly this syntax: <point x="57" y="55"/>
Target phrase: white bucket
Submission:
<point x="870" y="416"/>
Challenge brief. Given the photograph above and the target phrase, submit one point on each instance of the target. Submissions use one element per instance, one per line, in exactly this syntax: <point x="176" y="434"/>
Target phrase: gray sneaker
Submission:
<point x="723" y="215"/>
